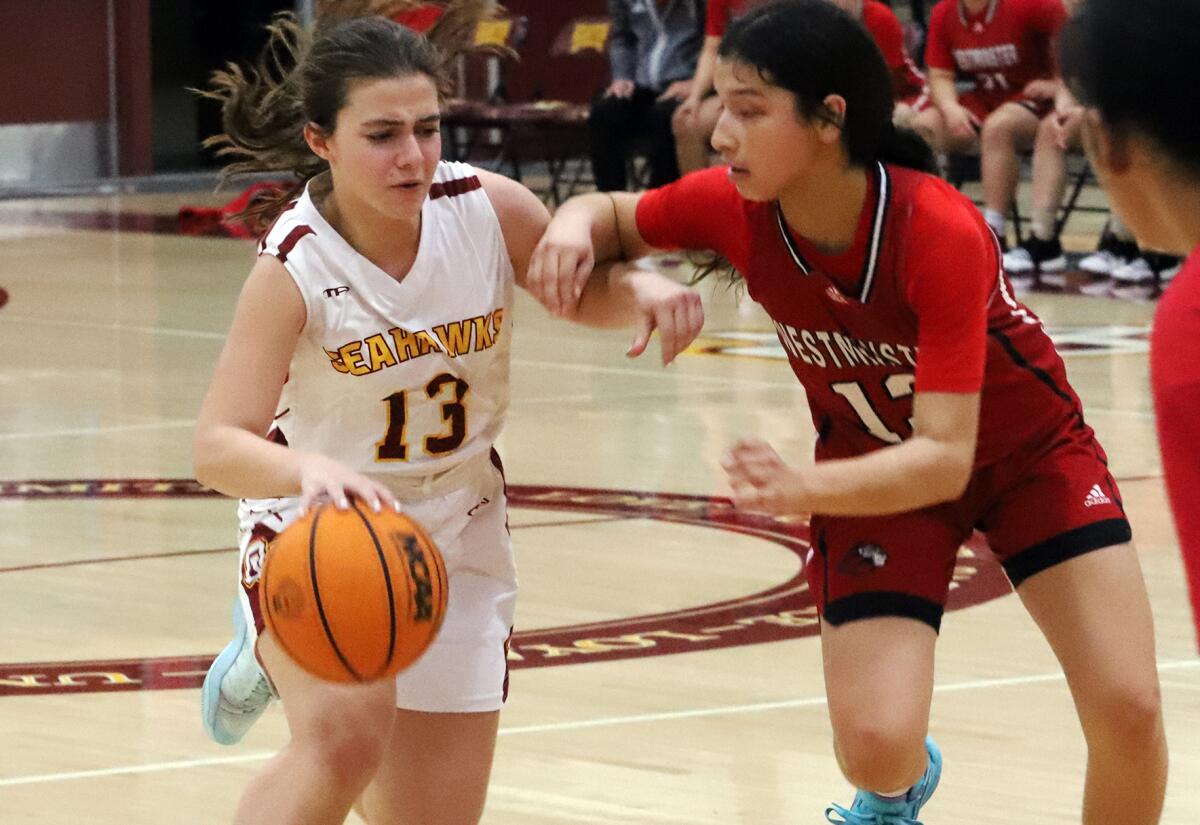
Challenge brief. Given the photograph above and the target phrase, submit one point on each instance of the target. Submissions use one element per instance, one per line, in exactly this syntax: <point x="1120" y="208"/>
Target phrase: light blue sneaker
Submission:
<point x="236" y="691"/>
<point x="869" y="809"/>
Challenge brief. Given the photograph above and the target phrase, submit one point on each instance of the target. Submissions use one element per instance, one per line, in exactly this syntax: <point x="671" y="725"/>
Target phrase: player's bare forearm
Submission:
<point x="240" y="464"/>
<point x="706" y="67"/>
<point x="621" y="295"/>
<point x="608" y="299"/>
<point x="611" y="218"/>
<point x="919" y="473"/>
<point x="932" y="467"/>
<point x="941" y="89"/>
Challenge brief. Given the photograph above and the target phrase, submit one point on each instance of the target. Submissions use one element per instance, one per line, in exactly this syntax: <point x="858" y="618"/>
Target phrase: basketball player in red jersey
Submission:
<point x="940" y="405"/>
<point x="1005" y="47"/>
<point x="1144" y="142"/>
<point x="695" y="118"/>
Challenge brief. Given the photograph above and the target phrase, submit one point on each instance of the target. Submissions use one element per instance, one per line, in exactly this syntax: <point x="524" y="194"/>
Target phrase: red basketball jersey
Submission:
<point x="918" y="303"/>
<point x="885" y="28"/>
<point x="720" y="13"/>
<point x="1001" y="48"/>
<point x="1175" y="377"/>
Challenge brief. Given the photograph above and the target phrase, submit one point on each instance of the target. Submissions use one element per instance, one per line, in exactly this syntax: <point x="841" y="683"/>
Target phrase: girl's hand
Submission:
<point x="560" y="266"/>
<point x="324" y="479"/>
<point x="671" y="308"/>
<point x="687" y="110"/>
<point x="762" y="482"/>
<point x="1065" y="125"/>
<point x="1041" y="89"/>
<point x="961" y="123"/>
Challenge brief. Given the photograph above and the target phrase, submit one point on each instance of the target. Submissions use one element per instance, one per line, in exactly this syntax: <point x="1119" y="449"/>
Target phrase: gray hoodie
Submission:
<point x="655" y="45"/>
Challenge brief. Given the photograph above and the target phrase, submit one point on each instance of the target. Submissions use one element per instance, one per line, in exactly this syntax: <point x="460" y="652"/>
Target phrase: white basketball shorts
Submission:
<point x="465" y="670"/>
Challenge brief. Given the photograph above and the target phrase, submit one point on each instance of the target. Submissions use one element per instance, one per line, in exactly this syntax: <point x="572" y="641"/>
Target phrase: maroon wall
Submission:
<point x="53" y="60"/>
<point x="54" y="68"/>
<point x="539" y="74"/>
<point x="133" y="86"/>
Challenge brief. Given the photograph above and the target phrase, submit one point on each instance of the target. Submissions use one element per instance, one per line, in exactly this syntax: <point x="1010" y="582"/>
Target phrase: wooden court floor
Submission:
<point x="666" y="669"/>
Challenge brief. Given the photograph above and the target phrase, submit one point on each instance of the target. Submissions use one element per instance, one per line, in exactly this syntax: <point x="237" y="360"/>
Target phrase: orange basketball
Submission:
<point x="352" y="595"/>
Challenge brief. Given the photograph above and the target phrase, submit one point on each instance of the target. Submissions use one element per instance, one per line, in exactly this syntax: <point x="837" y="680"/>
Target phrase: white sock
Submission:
<point x="996" y="221"/>
<point x="1043" y="224"/>
<point x="1118" y="228"/>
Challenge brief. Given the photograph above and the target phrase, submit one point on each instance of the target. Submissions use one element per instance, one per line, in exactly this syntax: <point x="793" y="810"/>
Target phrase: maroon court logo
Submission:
<point x="786" y="610"/>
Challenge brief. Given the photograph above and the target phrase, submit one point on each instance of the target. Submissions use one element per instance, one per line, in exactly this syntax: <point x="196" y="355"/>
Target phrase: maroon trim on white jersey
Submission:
<point x="987" y="18"/>
<point x="454" y="188"/>
<point x="293" y="238"/>
<point x="262" y="241"/>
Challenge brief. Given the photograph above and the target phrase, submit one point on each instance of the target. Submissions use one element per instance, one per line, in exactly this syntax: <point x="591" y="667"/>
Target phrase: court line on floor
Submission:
<point x="116" y="428"/>
<point x="25" y="568"/>
<point x="593" y="368"/>
<point x="610" y="721"/>
<point x="168" y="331"/>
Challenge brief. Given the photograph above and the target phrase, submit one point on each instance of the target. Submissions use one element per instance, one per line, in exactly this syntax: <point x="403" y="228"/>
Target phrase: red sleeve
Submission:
<point x="1175" y="378"/>
<point x="885" y="28"/>
<point x="420" y="19"/>
<point x="716" y="18"/>
<point x="937" y="48"/>
<point x="701" y="210"/>
<point x="1046" y="16"/>
<point x="951" y="270"/>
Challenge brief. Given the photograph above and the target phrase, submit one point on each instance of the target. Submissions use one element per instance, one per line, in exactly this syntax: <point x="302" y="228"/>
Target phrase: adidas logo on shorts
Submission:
<point x="1096" y="497"/>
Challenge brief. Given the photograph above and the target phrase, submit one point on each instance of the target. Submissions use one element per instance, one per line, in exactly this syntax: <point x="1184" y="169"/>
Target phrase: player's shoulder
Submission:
<point x="704" y="188"/>
<point x="875" y="12"/>
<point x="942" y="12"/>
<point x="935" y="211"/>
<point x="296" y="221"/>
<point x="453" y="179"/>
<point x="1034" y="5"/>
<point x="1037" y="9"/>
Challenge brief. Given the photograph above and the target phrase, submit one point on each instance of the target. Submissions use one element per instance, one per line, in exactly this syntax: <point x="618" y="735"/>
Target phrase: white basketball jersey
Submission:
<point x="399" y="377"/>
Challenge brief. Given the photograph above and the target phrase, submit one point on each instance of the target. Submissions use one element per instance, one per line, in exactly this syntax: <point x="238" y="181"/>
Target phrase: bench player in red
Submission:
<point x="940" y="405"/>
<point x="1146" y="150"/>
<point x="1005" y="49"/>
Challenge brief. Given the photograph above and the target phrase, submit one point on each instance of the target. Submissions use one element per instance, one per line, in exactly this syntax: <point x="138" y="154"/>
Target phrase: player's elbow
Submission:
<point x="205" y="466"/>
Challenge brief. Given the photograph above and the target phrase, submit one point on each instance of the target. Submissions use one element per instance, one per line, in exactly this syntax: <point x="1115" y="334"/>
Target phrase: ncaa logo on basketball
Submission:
<point x="288" y="600"/>
<point x="418" y="570"/>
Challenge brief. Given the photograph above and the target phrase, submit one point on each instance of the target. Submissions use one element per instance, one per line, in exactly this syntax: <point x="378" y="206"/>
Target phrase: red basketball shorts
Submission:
<point x="981" y="106"/>
<point x="1035" y="513"/>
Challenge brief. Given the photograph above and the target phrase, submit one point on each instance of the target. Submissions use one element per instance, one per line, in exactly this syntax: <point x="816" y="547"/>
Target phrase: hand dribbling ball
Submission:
<point x="353" y="595"/>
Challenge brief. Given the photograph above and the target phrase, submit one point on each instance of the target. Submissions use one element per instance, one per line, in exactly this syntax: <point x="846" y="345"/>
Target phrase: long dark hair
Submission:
<point x="1138" y="64"/>
<point x="814" y="49"/>
<point x="304" y="77"/>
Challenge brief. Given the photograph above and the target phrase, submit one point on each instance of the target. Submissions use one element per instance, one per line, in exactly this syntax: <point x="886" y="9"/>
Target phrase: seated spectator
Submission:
<point x="696" y="117"/>
<point x="653" y="46"/>
<point x="1118" y="257"/>
<point x="1005" y="48"/>
<point x="908" y="82"/>
<point x="1042" y="252"/>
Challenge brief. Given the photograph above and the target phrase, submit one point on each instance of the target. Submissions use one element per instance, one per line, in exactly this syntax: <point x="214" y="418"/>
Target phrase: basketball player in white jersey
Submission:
<point x="369" y="358"/>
